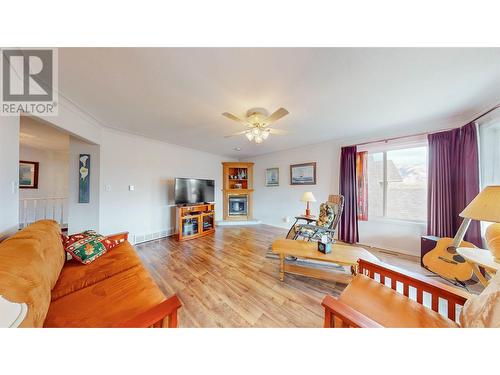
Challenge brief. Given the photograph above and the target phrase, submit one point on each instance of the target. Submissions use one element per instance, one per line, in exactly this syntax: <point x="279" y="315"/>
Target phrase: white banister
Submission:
<point x="25" y="214"/>
<point x="33" y="209"/>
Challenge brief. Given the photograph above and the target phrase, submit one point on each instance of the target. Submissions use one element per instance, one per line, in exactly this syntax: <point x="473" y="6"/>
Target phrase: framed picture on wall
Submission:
<point x="303" y="174"/>
<point x="84" y="178"/>
<point x="28" y="174"/>
<point x="272" y="177"/>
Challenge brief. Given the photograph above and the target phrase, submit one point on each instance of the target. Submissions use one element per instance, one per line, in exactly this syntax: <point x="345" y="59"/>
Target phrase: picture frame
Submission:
<point x="303" y="174"/>
<point x="28" y="174"/>
<point x="272" y="177"/>
<point x="84" y="178"/>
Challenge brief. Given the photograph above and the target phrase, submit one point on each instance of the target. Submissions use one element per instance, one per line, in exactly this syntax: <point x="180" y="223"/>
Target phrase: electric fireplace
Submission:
<point x="238" y="205"/>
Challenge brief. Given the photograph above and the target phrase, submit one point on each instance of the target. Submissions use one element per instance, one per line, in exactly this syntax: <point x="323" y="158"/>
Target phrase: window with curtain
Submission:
<point x="396" y="181"/>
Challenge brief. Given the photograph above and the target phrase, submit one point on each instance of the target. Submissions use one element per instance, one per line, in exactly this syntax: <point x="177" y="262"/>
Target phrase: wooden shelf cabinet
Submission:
<point x="195" y="221"/>
<point x="237" y="185"/>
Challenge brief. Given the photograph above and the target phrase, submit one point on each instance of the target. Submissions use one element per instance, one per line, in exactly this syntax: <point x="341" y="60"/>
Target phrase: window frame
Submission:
<point x="384" y="149"/>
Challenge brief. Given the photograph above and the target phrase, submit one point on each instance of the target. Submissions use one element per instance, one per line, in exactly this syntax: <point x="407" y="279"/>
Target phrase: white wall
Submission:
<point x="9" y="175"/>
<point x="52" y="177"/>
<point x="85" y="132"/>
<point x="83" y="216"/>
<point x="53" y="172"/>
<point x="272" y="205"/>
<point x="150" y="166"/>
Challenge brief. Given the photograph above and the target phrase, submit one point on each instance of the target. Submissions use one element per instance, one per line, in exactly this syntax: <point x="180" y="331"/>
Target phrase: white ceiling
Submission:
<point x="36" y="133"/>
<point x="178" y="94"/>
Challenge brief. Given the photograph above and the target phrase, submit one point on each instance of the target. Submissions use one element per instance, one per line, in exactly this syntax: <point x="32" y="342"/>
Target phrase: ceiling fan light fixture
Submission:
<point x="249" y="136"/>
<point x="258" y="124"/>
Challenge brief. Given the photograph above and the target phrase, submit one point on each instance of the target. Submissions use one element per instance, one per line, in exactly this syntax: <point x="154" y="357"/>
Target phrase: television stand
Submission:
<point x="194" y="221"/>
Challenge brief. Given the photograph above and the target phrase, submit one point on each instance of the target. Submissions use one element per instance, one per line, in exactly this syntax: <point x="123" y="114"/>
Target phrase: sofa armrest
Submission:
<point x="349" y="317"/>
<point x="420" y="282"/>
<point x="453" y="296"/>
<point x="119" y="236"/>
<point x="163" y="315"/>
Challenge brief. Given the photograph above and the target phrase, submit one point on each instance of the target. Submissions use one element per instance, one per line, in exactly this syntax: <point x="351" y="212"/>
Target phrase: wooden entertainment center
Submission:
<point x="195" y="221"/>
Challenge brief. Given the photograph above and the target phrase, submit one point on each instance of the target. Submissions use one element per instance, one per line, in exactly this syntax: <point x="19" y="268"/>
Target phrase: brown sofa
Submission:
<point x="113" y="291"/>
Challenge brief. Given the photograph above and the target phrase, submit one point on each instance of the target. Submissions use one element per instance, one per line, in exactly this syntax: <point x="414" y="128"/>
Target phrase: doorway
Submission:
<point x="43" y="172"/>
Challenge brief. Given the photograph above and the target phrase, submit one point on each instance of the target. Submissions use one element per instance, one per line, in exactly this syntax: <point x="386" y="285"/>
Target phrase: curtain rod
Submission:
<point x="425" y="133"/>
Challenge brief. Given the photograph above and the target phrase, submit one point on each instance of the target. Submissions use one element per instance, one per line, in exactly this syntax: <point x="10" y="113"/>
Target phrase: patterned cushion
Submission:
<point x="305" y="232"/>
<point x="87" y="246"/>
<point x="326" y="215"/>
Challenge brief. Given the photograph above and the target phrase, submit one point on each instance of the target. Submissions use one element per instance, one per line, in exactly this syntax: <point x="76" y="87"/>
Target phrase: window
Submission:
<point x="397" y="183"/>
<point x="489" y="149"/>
<point x="489" y="138"/>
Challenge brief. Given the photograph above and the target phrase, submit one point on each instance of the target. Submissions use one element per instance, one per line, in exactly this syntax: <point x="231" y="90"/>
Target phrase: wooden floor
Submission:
<point x="225" y="280"/>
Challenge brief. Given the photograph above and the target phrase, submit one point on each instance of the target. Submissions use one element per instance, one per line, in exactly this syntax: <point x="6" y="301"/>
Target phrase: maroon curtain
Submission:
<point x="348" y="226"/>
<point x="453" y="181"/>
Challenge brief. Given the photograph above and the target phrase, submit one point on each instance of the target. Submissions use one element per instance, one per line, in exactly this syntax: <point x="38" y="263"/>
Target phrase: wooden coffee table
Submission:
<point x="343" y="255"/>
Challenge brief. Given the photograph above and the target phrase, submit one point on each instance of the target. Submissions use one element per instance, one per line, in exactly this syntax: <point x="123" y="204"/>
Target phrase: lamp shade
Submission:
<point x="308" y="197"/>
<point x="486" y="205"/>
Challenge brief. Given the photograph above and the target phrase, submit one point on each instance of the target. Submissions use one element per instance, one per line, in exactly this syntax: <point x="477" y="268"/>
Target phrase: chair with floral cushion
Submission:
<point x="328" y="219"/>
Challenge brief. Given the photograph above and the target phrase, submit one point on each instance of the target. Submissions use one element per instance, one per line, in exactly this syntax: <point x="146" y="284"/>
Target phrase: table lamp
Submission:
<point x="308" y="197"/>
<point x="485" y="207"/>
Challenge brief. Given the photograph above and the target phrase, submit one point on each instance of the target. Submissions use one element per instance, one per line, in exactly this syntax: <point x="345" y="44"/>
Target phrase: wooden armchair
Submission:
<point x="368" y="302"/>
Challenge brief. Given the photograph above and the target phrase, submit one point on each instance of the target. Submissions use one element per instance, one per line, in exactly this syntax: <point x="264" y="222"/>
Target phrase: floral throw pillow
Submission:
<point x="87" y="246"/>
<point x="326" y="215"/>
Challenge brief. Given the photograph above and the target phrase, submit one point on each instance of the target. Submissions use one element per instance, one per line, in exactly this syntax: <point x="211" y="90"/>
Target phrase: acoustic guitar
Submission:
<point x="446" y="262"/>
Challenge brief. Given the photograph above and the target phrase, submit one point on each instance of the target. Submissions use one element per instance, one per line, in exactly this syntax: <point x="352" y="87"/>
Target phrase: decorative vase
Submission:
<point x="493" y="240"/>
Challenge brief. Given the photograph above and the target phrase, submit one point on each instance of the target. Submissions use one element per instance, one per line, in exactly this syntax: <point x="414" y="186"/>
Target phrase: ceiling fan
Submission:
<point x="258" y="124"/>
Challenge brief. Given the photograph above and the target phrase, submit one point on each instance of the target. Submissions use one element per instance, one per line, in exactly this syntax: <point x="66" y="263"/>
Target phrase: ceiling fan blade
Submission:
<point x="282" y="112"/>
<point x="233" y="117"/>
<point x="235" y="134"/>
<point x="278" y="131"/>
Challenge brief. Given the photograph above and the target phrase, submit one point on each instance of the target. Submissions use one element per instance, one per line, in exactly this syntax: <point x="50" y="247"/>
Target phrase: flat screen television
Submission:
<point x="194" y="190"/>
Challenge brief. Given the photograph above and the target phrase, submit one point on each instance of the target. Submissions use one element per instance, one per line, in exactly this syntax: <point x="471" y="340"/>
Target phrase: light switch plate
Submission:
<point x="107" y="187"/>
<point x="131" y="188"/>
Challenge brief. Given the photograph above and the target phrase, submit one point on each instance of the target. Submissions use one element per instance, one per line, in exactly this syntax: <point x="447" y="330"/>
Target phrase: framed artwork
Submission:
<point x="272" y="177"/>
<point x="84" y="178"/>
<point x="28" y="174"/>
<point x="303" y="174"/>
